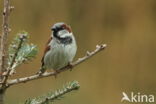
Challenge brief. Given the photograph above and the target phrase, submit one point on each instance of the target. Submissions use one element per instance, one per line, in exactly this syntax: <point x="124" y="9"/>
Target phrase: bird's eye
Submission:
<point x="63" y="27"/>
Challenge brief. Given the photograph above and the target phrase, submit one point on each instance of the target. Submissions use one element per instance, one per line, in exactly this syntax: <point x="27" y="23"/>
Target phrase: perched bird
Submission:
<point x="60" y="48"/>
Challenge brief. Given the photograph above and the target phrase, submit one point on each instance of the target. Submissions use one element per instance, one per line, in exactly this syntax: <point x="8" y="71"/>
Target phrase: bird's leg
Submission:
<point x="55" y="73"/>
<point x="41" y="71"/>
<point x="70" y="66"/>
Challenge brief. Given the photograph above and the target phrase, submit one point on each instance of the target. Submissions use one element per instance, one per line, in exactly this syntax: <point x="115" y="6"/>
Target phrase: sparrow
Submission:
<point x="60" y="49"/>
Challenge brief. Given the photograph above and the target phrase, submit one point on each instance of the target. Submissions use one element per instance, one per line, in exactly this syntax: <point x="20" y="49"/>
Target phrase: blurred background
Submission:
<point x="128" y="64"/>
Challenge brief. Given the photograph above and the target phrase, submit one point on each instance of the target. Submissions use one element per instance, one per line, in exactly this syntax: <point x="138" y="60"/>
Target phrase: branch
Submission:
<point x="5" y="32"/>
<point x="9" y="69"/>
<point x="3" y="45"/>
<point x="56" y="95"/>
<point x="47" y="74"/>
<point x="20" y="51"/>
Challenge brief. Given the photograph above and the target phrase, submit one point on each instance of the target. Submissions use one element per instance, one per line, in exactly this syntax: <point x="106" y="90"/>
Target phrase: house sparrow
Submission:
<point x="60" y="48"/>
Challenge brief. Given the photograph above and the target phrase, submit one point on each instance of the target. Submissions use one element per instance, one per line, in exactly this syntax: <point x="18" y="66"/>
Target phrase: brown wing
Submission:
<point x="67" y="28"/>
<point x="47" y="48"/>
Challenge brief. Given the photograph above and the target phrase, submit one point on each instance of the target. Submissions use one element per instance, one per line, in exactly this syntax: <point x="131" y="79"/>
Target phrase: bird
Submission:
<point x="60" y="49"/>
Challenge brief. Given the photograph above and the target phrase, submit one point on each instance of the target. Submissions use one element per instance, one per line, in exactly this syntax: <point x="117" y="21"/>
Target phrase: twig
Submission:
<point x="47" y="74"/>
<point x="55" y="95"/>
<point x="73" y="86"/>
<point x="5" y="32"/>
<point x="3" y="43"/>
<point x="7" y="73"/>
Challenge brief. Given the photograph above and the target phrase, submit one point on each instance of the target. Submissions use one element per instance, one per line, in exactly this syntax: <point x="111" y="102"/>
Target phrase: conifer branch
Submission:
<point x="19" y="45"/>
<point x="56" y="95"/>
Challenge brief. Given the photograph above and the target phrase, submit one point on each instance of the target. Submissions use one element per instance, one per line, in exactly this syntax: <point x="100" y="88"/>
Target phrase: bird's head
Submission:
<point x="60" y="30"/>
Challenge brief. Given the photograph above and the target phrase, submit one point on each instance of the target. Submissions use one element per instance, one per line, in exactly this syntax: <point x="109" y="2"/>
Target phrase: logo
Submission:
<point x="137" y="97"/>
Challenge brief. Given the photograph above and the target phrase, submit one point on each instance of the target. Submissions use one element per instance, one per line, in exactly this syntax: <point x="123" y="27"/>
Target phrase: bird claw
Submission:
<point x="70" y="66"/>
<point x="39" y="73"/>
<point x="55" y="73"/>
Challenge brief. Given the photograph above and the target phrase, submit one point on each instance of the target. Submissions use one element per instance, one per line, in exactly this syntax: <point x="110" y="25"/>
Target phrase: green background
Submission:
<point x="128" y="64"/>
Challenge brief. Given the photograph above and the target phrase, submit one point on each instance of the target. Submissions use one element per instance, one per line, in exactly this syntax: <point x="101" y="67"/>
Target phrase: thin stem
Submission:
<point x="47" y="74"/>
<point x="54" y="95"/>
<point x="58" y="94"/>
<point x="6" y="75"/>
<point x="5" y="32"/>
<point x="3" y="44"/>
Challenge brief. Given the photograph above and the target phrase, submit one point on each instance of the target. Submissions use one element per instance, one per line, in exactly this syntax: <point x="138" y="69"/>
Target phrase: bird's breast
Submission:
<point x="59" y="55"/>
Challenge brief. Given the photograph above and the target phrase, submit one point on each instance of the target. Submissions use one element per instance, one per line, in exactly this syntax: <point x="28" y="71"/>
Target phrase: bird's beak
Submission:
<point x="52" y="29"/>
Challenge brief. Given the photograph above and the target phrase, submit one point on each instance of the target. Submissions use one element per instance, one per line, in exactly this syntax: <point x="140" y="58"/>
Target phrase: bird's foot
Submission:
<point x="41" y="71"/>
<point x="70" y="66"/>
<point x="55" y="73"/>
